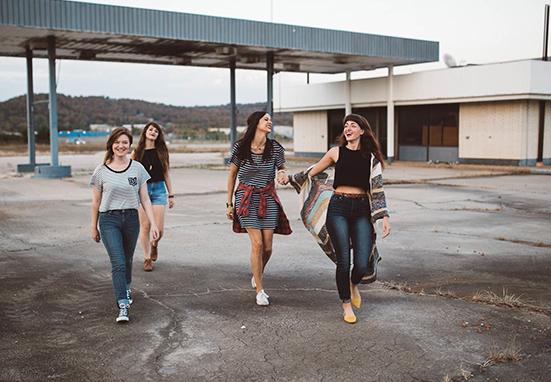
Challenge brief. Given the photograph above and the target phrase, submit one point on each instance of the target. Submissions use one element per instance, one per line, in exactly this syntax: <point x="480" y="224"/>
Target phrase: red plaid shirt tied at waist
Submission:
<point x="283" y="225"/>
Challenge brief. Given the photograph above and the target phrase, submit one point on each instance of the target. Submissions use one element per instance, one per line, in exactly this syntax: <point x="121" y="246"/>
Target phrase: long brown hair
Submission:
<point x="368" y="143"/>
<point x="115" y="134"/>
<point x="160" y="145"/>
<point x="244" y="147"/>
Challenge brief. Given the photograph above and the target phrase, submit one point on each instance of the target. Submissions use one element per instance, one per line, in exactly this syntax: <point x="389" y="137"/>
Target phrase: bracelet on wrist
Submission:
<point x="170" y="196"/>
<point x="229" y="205"/>
<point x="278" y="171"/>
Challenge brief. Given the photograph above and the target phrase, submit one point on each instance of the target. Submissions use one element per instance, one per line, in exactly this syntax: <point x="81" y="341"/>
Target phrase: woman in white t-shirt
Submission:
<point x="119" y="185"/>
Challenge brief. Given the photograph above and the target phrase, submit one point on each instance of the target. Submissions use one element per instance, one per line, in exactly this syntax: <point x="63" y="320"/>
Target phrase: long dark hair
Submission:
<point x="243" y="150"/>
<point x="368" y="143"/>
<point x="160" y="145"/>
<point x="115" y="134"/>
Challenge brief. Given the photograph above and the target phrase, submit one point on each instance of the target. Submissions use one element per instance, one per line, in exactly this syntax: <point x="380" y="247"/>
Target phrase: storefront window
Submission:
<point x="428" y="125"/>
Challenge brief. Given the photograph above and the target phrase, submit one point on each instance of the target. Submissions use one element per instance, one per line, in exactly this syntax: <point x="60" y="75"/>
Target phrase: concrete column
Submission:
<point x="53" y="103"/>
<point x="270" y="100"/>
<point x="30" y="116"/>
<point x="233" y="114"/>
<point x="347" y="95"/>
<point x="390" y="117"/>
<point x="54" y="170"/>
<point x="30" y="107"/>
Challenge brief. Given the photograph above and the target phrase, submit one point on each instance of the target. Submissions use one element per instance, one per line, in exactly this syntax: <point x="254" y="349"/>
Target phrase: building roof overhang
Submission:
<point x="95" y="32"/>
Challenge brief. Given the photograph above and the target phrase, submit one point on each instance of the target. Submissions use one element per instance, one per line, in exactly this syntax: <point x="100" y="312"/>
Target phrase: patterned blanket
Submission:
<point x="315" y="194"/>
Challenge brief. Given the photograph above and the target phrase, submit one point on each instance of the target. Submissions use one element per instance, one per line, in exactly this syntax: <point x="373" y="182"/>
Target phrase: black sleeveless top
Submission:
<point x="352" y="169"/>
<point x="153" y="165"/>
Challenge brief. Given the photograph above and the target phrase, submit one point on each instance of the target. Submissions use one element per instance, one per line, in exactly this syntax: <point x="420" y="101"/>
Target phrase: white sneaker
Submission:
<point x="253" y="284"/>
<point x="262" y="298"/>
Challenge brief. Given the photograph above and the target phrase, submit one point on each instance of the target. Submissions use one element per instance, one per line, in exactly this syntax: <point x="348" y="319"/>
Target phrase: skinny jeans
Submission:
<point x="119" y="231"/>
<point x="349" y="220"/>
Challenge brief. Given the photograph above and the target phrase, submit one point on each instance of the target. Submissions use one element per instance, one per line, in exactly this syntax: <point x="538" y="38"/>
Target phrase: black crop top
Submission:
<point x="352" y="169"/>
<point x="153" y="165"/>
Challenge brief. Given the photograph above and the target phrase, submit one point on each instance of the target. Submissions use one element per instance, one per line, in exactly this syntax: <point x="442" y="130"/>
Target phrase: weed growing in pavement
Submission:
<point x="449" y="293"/>
<point x="510" y="300"/>
<point x="511" y="353"/>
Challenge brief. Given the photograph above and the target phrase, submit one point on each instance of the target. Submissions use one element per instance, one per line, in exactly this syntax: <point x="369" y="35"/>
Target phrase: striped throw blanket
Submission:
<point x="315" y="194"/>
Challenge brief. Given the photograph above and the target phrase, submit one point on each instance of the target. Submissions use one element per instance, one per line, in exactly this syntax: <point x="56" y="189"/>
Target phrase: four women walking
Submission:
<point x="256" y="160"/>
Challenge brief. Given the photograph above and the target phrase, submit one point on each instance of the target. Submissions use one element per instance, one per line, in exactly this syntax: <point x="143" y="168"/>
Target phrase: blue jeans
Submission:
<point x="157" y="192"/>
<point x="349" y="219"/>
<point x="119" y="231"/>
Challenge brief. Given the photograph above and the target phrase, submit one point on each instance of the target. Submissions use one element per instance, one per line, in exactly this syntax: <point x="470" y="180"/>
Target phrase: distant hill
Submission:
<point x="77" y="113"/>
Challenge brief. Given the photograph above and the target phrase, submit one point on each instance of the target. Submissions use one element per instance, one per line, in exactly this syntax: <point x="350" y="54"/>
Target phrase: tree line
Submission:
<point x="78" y="113"/>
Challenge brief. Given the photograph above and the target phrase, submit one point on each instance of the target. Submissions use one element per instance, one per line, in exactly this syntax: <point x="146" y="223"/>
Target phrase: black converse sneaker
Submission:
<point x="123" y="313"/>
<point x="130" y="301"/>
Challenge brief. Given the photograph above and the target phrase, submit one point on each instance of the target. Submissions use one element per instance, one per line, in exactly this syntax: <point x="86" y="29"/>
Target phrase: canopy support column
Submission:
<point x="233" y="112"/>
<point x="55" y="170"/>
<point x="390" y="117"/>
<point x="30" y="116"/>
<point x="348" y="105"/>
<point x="270" y="100"/>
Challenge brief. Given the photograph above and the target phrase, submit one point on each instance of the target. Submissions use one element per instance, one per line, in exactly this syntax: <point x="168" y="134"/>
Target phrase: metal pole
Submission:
<point x="53" y="102"/>
<point x="233" y="114"/>
<point x="270" y="101"/>
<point x="30" y="108"/>
<point x="545" y="32"/>
<point x="390" y="117"/>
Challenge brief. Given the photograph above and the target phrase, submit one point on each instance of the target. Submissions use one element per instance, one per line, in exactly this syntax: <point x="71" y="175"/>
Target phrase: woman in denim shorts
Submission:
<point x="358" y="201"/>
<point x="119" y="186"/>
<point x="152" y="153"/>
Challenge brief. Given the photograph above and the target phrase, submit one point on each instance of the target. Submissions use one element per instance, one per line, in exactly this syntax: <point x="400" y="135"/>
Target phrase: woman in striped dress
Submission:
<point x="255" y="161"/>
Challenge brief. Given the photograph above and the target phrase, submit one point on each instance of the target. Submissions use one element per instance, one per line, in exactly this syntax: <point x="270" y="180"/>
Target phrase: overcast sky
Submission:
<point x="473" y="31"/>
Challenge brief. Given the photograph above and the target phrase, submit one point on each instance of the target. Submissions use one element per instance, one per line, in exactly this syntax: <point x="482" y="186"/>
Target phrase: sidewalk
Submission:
<point x="464" y="286"/>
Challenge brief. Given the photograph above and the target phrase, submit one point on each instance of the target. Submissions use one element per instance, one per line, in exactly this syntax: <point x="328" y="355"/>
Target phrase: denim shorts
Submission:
<point x="157" y="193"/>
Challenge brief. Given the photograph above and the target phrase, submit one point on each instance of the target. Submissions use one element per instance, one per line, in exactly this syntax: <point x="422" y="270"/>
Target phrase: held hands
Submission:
<point x="282" y="177"/>
<point x="95" y="235"/>
<point x="386" y="227"/>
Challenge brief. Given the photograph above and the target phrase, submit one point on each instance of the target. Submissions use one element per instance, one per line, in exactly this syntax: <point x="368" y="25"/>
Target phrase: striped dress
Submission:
<point x="258" y="174"/>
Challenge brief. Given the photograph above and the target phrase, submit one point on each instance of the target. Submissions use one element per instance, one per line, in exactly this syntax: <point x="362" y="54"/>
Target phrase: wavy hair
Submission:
<point x="115" y="134"/>
<point x="160" y="145"/>
<point x="243" y="146"/>
<point x="368" y="143"/>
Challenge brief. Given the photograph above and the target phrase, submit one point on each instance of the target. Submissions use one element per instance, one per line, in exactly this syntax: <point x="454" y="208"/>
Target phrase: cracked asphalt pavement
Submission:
<point x="464" y="287"/>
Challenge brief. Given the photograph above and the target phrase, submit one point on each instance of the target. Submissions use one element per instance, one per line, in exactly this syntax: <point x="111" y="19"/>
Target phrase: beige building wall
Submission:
<point x="311" y="136"/>
<point x="547" y="135"/>
<point x="501" y="131"/>
<point x="530" y="130"/>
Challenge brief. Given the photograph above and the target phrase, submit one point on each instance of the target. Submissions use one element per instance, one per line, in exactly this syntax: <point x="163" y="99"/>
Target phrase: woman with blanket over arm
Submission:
<point x="255" y="159"/>
<point x="358" y="201"/>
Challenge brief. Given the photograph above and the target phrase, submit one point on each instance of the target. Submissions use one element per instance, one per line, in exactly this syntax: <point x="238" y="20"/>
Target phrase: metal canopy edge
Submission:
<point x="96" y="32"/>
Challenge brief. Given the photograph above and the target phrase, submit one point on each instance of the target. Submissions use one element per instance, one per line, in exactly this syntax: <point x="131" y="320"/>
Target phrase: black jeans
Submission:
<point x="349" y="219"/>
